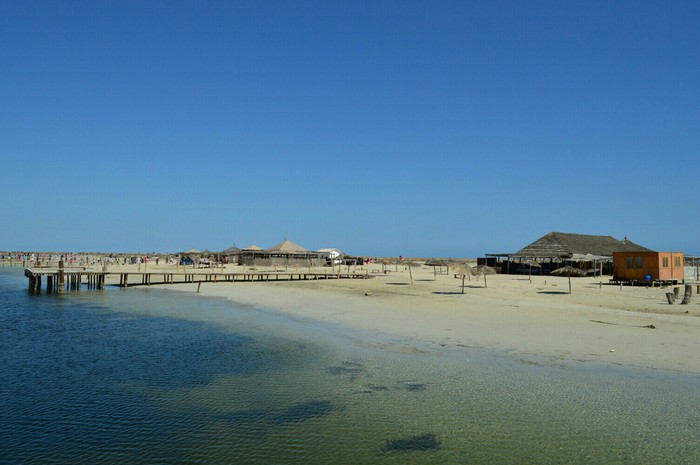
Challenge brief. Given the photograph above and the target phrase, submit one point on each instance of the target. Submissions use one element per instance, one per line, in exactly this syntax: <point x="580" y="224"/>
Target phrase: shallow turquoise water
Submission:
<point x="152" y="376"/>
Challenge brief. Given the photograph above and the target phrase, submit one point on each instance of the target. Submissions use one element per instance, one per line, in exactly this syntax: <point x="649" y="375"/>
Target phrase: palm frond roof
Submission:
<point x="287" y="246"/>
<point x="568" y="245"/>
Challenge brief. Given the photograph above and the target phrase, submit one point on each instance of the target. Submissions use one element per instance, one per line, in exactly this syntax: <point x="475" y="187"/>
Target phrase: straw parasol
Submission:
<point x="569" y="271"/>
<point x="530" y="265"/>
<point x="484" y="270"/>
<point x="462" y="270"/>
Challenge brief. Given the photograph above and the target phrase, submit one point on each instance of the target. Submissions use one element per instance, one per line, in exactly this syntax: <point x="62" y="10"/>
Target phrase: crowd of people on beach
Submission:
<point x="72" y="259"/>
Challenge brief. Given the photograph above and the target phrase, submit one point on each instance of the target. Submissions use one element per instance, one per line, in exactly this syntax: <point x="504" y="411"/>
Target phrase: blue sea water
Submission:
<point x="147" y="375"/>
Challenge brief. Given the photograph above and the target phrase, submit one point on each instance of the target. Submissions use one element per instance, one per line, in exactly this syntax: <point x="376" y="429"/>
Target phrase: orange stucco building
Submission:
<point x="657" y="266"/>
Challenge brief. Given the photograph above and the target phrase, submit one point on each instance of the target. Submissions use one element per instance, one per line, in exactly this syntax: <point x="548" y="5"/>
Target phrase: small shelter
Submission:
<point x="648" y="266"/>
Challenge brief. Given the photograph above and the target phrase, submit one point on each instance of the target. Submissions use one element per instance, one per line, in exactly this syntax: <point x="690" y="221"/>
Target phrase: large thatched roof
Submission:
<point x="287" y="246"/>
<point x="567" y="245"/>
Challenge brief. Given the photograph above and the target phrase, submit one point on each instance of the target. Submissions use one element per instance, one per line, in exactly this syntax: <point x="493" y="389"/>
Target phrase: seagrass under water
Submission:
<point x="151" y="376"/>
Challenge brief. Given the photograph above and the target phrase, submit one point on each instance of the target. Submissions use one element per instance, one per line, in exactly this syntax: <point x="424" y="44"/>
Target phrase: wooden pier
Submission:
<point x="67" y="279"/>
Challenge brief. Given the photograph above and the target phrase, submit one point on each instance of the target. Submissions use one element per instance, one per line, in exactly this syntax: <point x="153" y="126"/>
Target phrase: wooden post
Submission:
<point x="671" y="298"/>
<point x="61" y="276"/>
<point x="686" y="298"/>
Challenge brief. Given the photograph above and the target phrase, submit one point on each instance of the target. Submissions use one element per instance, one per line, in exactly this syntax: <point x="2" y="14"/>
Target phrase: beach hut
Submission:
<point x="230" y="255"/>
<point x="585" y="251"/>
<point x="334" y="256"/>
<point x="286" y="253"/>
<point x="648" y="266"/>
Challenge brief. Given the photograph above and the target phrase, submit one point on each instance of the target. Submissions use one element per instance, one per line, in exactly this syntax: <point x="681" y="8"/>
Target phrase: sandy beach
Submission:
<point x="530" y="320"/>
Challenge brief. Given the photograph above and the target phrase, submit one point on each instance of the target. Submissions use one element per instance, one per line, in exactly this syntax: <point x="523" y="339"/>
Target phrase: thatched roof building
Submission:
<point x="285" y="253"/>
<point x="230" y="255"/>
<point x="583" y="247"/>
<point x="287" y="246"/>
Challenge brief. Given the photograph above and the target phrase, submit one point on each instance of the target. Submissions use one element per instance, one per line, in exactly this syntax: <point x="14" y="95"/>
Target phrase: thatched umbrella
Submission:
<point x="438" y="263"/>
<point x="530" y="265"/>
<point x="386" y="261"/>
<point x="569" y="271"/>
<point x="484" y="270"/>
<point x="462" y="270"/>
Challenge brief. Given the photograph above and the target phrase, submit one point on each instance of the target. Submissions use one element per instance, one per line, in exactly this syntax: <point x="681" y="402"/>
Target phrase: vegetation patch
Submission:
<point x="423" y="442"/>
<point x="305" y="411"/>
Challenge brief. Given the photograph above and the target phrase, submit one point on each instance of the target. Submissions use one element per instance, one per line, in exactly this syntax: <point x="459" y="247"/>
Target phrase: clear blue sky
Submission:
<point x="425" y="128"/>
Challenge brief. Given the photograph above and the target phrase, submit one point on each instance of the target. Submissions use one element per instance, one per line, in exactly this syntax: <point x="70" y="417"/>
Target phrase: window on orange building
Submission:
<point x="665" y="262"/>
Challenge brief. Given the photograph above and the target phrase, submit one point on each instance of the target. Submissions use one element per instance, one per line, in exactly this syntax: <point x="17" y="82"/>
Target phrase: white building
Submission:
<point x="335" y="256"/>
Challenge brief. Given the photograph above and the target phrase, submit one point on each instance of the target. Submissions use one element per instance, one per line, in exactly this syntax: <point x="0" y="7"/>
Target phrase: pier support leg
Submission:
<point x="61" y="276"/>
